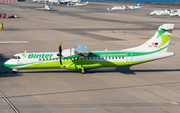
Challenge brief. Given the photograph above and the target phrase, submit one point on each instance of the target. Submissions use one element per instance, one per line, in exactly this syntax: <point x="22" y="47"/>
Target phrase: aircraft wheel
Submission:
<point x="14" y="72"/>
<point x="83" y="71"/>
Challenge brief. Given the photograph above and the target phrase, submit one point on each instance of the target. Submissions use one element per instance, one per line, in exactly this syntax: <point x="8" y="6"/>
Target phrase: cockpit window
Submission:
<point x="15" y="57"/>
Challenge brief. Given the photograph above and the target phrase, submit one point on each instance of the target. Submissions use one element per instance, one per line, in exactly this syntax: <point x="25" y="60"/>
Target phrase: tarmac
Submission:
<point x="152" y="87"/>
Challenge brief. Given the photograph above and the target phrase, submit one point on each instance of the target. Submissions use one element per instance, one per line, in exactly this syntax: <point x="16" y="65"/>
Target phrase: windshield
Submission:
<point x="15" y="57"/>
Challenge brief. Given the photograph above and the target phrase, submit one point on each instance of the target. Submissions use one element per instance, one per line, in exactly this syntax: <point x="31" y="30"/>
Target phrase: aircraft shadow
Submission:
<point x="123" y="70"/>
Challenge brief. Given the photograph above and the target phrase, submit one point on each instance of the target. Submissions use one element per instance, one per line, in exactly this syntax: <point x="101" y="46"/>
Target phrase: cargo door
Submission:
<point x="129" y="58"/>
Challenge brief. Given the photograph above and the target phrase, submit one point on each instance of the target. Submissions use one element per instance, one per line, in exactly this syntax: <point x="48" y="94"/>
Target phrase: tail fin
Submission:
<point x="159" y="41"/>
<point x="138" y="5"/>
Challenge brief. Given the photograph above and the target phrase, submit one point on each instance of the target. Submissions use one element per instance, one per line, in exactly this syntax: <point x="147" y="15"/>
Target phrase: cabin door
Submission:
<point x="129" y="58"/>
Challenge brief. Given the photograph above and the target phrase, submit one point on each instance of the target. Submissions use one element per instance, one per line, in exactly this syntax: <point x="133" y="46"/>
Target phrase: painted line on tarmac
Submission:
<point x="175" y="103"/>
<point x="141" y="25"/>
<point x="119" y="22"/>
<point x="10" y="104"/>
<point x="102" y="21"/>
<point x="6" y="71"/>
<point x="87" y="19"/>
<point x="75" y="17"/>
<point x="64" y="15"/>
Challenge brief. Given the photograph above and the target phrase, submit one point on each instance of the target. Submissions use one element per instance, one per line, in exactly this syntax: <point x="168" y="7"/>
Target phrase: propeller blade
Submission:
<point x="60" y="53"/>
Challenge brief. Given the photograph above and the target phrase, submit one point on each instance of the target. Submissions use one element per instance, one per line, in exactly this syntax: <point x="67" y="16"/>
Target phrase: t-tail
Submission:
<point x="158" y="43"/>
<point x="155" y="48"/>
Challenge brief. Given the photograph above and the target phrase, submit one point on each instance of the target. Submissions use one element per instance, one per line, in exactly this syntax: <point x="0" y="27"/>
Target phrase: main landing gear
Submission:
<point x="82" y="70"/>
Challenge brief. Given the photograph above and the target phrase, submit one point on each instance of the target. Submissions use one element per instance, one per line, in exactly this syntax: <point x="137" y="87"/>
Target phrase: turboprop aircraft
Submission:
<point x="125" y="7"/>
<point x="81" y="59"/>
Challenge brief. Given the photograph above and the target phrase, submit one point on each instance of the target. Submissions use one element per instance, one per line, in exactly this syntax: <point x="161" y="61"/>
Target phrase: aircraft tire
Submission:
<point x="83" y="71"/>
<point x="14" y="72"/>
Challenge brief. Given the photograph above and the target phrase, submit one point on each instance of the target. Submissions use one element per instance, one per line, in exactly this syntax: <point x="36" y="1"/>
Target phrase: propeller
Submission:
<point x="60" y="53"/>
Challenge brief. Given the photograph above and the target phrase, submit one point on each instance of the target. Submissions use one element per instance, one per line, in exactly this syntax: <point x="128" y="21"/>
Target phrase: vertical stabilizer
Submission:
<point x="159" y="41"/>
<point x="138" y="5"/>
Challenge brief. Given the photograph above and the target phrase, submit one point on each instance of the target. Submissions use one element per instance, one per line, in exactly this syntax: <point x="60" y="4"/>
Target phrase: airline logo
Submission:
<point x="30" y="56"/>
<point x="154" y="44"/>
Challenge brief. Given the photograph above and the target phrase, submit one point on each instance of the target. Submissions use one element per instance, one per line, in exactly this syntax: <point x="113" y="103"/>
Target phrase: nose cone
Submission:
<point x="7" y="63"/>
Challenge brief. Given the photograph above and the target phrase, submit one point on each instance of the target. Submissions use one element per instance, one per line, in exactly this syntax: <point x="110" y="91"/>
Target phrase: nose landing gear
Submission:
<point x="14" y="70"/>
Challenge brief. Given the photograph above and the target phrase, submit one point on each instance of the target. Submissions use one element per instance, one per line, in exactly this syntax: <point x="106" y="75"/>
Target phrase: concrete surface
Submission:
<point x="152" y="87"/>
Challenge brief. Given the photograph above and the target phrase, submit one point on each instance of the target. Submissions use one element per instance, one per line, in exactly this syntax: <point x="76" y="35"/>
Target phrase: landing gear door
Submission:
<point x="129" y="58"/>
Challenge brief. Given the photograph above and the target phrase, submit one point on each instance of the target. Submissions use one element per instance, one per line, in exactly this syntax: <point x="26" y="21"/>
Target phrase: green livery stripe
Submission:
<point x="17" y="65"/>
<point x="74" y="64"/>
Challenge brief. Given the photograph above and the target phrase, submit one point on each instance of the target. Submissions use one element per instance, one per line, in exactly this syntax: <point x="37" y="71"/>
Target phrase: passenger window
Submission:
<point x="119" y="57"/>
<point x="122" y="57"/>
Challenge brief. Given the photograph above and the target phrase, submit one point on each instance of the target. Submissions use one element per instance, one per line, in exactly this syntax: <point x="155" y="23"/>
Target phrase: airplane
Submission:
<point x="125" y="7"/>
<point x="54" y="1"/>
<point x="40" y="1"/>
<point x="160" y="12"/>
<point x="45" y="7"/>
<point x="50" y="1"/>
<point x="70" y="1"/>
<point x="81" y="59"/>
<point x="175" y="13"/>
<point x="77" y="4"/>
